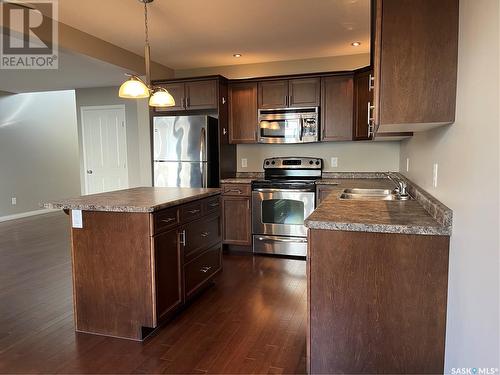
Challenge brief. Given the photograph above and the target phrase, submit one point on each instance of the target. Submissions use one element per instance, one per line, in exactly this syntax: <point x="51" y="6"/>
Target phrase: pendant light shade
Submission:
<point x="161" y="98"/>
<point x="133" y="88"/>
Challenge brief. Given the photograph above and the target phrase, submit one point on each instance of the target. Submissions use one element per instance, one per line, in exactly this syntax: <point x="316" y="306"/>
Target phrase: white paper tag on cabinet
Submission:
<point x="76" y="218"/>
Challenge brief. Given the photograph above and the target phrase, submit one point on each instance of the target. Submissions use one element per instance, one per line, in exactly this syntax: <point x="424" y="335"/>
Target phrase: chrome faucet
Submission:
<point x="401" y="185"/>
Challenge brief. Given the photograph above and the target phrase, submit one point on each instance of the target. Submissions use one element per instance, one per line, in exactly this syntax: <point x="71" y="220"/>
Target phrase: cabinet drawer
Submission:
<point x="211" y="205"/>
<point x="200" y="235"/>
<point x="165" y="219"/>
<point x="237" y="189"/>
<point x="201" y="269"/>
<point x="190" y="211"/>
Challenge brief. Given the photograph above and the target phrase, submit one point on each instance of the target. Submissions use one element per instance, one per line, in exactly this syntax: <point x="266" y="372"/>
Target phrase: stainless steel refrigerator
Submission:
<point x="185" y="151"/>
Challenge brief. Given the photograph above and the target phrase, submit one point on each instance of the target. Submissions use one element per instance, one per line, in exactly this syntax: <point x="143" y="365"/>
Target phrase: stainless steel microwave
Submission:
<point x="289" y="125"/>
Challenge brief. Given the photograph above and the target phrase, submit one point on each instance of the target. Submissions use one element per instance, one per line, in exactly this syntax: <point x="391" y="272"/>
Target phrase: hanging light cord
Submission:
<point x="146" y="22"/>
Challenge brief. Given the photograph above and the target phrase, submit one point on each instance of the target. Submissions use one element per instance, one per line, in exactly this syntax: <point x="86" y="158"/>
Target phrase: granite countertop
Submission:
<point x="141" y="199"/>
<point x="423" y="216"/>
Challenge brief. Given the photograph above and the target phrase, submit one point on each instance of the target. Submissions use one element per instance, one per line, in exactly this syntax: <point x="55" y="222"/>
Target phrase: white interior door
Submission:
<point x="104" y="148"/>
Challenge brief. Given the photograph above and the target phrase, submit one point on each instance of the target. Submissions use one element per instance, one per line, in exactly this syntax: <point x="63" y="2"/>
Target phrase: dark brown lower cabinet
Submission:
<point x="167" y="255"/>
<point x="376" y="302"/>
<point x="133" y="271"/>
<point x="237" y="215"/>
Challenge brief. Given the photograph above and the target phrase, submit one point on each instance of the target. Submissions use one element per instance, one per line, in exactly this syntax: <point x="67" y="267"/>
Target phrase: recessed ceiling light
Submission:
<point x="355" y="44"/>
<point x="237" y="55"/>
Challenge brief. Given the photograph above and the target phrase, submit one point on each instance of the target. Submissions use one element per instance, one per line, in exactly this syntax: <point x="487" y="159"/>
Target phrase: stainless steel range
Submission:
<point x="280" y="204"/>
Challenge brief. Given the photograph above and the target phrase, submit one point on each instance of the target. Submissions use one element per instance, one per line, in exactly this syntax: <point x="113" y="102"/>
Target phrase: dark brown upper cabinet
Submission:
<point x="415" y="53"/>
<point x="176" y="89"/>
<point x="293" y="93"/>
<point x="192" y="95"/>
<point x="243" y="112"/>
<point x="201" y="94"/>
<point x="363" y="105"/>
<point x="337" y="108"/>
<point x="273" y="94"/>
<point x="304" y="92"/>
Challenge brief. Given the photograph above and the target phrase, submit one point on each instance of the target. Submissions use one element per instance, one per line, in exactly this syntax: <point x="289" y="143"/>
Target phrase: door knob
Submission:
<point x="89" y="171"/>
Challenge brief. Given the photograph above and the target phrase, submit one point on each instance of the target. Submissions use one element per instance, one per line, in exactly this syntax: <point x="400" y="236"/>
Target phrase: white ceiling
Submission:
<point x="201" y="33"/>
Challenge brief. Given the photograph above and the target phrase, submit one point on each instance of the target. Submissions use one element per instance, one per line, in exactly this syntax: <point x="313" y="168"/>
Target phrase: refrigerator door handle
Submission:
<point x="204" y="174"/>
<point x="203" y="144"/>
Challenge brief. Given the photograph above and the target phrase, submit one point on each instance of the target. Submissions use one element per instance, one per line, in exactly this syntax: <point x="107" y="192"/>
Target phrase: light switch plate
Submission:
<point x="76" y="218"/>
<point x="14" y="201"/>
<point x="334" y="162"/>
<point x="244" y="163"/>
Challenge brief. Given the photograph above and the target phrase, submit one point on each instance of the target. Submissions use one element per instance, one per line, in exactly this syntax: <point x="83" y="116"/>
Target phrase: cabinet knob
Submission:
<point x="90" y="171"/>
<point x="194" y="211"/>
<point x="205" y="234"/>
<point x="205" y="269"/>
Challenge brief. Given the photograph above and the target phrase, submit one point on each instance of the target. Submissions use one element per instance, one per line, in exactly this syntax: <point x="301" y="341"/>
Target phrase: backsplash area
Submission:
<point x="351" y="156"/>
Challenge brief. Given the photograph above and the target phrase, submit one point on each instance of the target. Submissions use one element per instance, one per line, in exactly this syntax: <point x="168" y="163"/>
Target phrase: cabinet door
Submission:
<point x="337" y="108"/>
<point x="236" y="216"/>
<point x="304" y="92"/>
<point x="177" y="90"/>
<point x="363" y="100"/>
<point x="273" y="94"/>
<point x="415" y="62"/>
<point x="167" y="273"/>
<point x="201" y="94"/>
<point x="243" y="113"/>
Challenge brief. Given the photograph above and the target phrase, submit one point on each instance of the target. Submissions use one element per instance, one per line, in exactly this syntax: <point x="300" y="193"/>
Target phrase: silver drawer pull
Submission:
<point x="233" y="191"/>
<point x="169" y="220"/>
<point x="182" y="240"/>
<point x="205" y="269"/>
<point x="214" y="204"/>
<point x="205" y="234"/>
<point x="194" y="211"/>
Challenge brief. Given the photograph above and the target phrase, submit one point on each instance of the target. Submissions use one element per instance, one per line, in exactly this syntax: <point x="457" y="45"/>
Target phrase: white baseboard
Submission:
<point x="26" y="214"/>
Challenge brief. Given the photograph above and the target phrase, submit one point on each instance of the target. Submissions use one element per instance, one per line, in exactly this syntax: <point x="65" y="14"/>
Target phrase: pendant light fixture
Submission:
<point x="135" y="88"/>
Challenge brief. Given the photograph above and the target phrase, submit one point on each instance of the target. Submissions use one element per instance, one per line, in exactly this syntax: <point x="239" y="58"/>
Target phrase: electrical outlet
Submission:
<point x="334" y="162"/>
<point x="14" y="201"/>
<point x="435" y="175"/>
<point x="407" y="164"/>
<point x="244" y="163"/>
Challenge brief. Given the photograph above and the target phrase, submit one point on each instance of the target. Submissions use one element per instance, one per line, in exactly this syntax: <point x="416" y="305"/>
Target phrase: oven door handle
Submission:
<point x="275" y="239"/>
<point x="283" y="190"/>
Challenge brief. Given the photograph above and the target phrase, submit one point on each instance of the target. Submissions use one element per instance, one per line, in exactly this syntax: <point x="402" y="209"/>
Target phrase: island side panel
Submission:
<point x="377" y="302"/>
<point x="112" y="274"/>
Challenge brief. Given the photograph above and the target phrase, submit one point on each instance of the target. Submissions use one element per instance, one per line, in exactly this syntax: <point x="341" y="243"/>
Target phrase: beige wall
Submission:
<point x="352" y="156"/>
<point x="467" y="154"/>
<point x="38" y="150"/>
<point x="324" y="64"/>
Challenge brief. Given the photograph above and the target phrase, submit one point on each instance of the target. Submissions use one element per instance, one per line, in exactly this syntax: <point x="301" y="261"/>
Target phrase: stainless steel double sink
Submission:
<point x="373" y="194"/>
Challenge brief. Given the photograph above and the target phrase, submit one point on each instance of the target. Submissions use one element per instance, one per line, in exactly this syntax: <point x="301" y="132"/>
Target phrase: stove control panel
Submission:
<point x="293" y="163"/>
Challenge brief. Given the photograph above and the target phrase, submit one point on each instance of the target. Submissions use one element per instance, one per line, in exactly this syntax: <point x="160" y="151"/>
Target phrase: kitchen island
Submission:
<point x="377" y="281"/>
<point x="138" y="255"/>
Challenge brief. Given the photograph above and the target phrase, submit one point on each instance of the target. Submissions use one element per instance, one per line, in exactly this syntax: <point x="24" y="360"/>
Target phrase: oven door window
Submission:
<point x="283" y="211"/>
<point x="280" y="128"/>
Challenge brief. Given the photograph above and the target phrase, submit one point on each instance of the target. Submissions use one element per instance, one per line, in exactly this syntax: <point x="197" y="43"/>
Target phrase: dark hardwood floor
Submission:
<point x="253" y="320"/>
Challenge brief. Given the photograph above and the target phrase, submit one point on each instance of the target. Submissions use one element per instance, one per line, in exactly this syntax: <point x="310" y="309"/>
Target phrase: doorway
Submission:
<point x="104" y="139"/>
